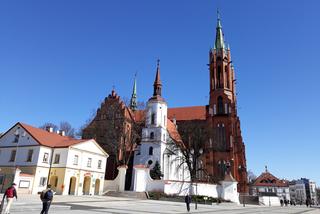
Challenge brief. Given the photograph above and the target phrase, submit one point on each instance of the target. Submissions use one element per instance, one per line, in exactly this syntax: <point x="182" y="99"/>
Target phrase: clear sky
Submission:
<point x="59" y="59"/>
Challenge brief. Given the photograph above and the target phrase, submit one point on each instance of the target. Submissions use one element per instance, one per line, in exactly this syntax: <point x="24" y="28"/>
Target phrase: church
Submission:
<point x="138" y="138"/>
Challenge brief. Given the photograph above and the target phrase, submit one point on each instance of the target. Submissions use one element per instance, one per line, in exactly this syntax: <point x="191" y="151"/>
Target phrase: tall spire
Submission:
<point x="133" y="101"/>
<point x="157" y="85"/>
<point x="219" y="44"/>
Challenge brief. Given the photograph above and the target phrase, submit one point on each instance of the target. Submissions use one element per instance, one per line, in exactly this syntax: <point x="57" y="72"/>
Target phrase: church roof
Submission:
<point x="173" y="132"/>
<point x="187" y="113"/>
<point x="269" y="180"/>
<point x="49" y="139"/>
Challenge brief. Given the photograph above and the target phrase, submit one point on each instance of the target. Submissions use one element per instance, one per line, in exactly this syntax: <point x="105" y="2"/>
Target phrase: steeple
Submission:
<point x="219" y="44"/>
<point x="157" y="86"/>
<point x="133" y="100"/>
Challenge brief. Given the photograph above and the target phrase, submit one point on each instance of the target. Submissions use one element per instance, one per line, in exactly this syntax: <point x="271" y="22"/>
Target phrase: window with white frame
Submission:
<point x="99" y="164"/>
<point x="56" y="158"/>
<point x="75" y="160"/>
<point x="89" y="162"/>
<point x="45" y="157"/>
<point x="43" y="181"/>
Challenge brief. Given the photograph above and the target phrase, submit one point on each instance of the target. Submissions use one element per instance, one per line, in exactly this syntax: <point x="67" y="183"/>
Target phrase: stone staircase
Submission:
<point x="127" y="194"/>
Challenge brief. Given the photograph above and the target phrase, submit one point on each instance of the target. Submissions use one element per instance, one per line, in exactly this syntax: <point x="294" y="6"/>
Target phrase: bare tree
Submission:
<point x="64" y="126"/>
<point x="194" y="136"/>
<point x="49" y="124"/>
<point x="69" y="131"/>
<point x="251" y="177"/>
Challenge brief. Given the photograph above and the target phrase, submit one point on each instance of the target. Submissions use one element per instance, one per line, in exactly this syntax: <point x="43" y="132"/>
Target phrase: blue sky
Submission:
<point x="59" y="59"/>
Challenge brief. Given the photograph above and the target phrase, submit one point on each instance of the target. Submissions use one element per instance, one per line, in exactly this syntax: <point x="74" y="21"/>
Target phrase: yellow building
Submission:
<point x="32" y="158"/>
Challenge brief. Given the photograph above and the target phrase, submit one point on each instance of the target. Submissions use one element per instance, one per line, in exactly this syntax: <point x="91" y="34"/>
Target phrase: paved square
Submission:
<point x="27" y="204"/>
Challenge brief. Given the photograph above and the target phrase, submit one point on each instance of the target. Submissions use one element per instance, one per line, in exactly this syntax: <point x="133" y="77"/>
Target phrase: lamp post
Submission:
<point x="195" y="155"/>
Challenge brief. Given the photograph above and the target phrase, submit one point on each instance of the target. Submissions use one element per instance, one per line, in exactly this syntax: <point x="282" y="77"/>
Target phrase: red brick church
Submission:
<point x="223" y="151"/>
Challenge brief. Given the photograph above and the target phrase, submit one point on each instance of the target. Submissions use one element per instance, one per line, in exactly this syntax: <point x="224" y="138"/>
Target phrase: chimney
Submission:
<point x="61" y="132"/>
<point x="174" y="121"/>
<point x="49" y="129"/>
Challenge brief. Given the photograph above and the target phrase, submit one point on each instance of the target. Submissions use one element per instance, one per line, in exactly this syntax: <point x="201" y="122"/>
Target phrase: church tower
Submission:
<point x="226" y="150"/>
<point x="154" y="134"/>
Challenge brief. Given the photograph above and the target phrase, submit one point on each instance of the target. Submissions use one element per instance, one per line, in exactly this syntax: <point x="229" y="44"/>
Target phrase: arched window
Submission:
<point x="220" y="105"/>
<point x="151" y="135"/>
<point x="153" y="118"/>
<point x="150" y="150"/>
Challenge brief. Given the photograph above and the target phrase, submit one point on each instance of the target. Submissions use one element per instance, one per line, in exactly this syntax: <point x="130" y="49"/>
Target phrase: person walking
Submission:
<point x="187" y="199"/>
<point x="46" y="197"/>
<point x="9" y="194"/>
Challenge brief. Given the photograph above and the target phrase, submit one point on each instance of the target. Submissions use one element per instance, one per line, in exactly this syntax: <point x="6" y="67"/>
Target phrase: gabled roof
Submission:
<point x="173" y="132"/>
<point x="49" y="139"/>
<point x="269" y="180"/>
<point x="187" y="113"/>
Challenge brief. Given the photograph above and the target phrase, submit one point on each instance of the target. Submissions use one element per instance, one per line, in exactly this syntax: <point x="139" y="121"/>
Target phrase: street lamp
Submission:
<point x="195" y="155"/>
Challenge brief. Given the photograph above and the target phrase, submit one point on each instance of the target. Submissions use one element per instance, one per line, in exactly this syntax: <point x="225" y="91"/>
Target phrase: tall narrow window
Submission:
<point x="30" y="154"/>
<point x="45" y="158"/>
<point x="13" y="156"/>
<point x="99" y="164"/>
<point x="153" y="118"/>
<point x="56" y="158"/>
<point x="227" y="76"/>
<point x="75" y="160"/>
<point x="220" y="105"/>
<point x="151" y="135"/>
<point x="219" y="77"/>
<point x="150" y="150"/>
<point x="89" y="162"/>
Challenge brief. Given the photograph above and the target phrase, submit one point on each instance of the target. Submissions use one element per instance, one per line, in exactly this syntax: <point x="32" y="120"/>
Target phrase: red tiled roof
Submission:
<point x="187" y="113"/>
<point x="173" y="132"/>
<point x="46" y="138"/>
<point x="267" y="179"/>
<point x="139" y="115"/>
<point x="181" y="113"/>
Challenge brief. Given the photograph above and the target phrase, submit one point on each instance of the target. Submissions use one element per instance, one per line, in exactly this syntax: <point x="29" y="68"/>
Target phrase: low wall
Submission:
<point x="183" y="188"/>
<point x="269" y="200"/>
<point x="118" y="183"/>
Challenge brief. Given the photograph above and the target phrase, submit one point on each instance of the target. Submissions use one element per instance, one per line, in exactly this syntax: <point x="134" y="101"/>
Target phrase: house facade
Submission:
<point x="269" y="185"/>
<point x="32" y="158"/>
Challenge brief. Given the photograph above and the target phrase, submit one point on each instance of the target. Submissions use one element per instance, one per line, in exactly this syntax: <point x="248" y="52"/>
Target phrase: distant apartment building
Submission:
<point x="32" y="158"/>
<point x="302" y="190"/>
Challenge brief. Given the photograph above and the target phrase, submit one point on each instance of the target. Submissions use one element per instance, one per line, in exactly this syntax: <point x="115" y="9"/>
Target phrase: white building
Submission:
<point x="302" y="190"/>
<point x="160" y="138"/>
<point x="32" y="158"/>
<point x="267" y="187"/>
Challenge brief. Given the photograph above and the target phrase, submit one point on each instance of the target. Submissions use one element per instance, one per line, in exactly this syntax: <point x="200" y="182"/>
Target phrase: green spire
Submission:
<point x="219" y="44"/>
<point x="133" y="101"/>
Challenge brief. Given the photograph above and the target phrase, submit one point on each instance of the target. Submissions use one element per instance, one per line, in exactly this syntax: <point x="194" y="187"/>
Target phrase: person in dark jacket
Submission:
<point x="187" y="199"/>
<point x="46" y="197"/>
<point x="9" y="194"/>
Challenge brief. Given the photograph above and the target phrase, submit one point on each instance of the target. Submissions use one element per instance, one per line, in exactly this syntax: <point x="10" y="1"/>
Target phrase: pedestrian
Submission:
<point x="9" y="194"/>
<point x="286" y="202"/>
<point x="187" y="199"/>
<point x="46" y="197"/>
<point x="281" y="202"/>
<point x="307" y="202"/>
